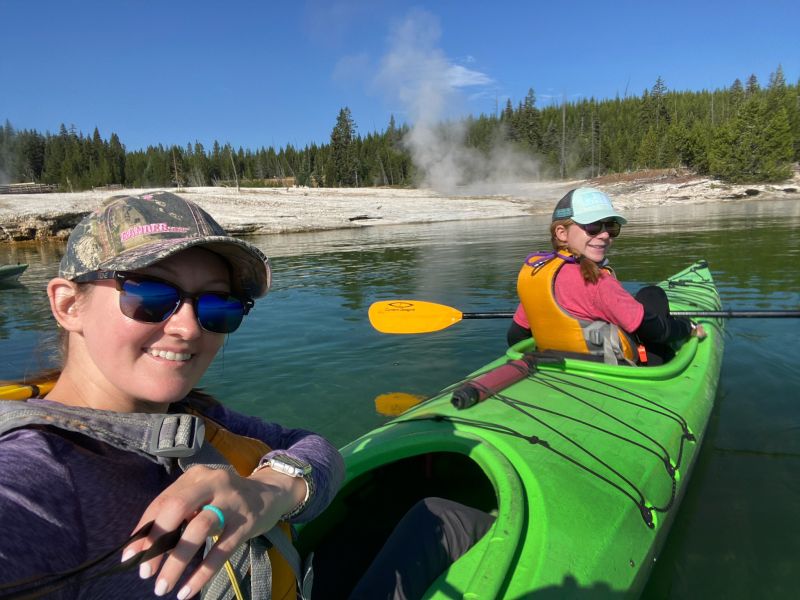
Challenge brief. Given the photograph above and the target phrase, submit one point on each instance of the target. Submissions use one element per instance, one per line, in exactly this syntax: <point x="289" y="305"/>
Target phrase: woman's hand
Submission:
<point x="698" y="331"/>
<point x="250" y="506"/>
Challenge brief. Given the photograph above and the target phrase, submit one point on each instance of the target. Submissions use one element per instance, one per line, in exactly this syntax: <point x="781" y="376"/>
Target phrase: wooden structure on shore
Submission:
<point x="29" y="188"/>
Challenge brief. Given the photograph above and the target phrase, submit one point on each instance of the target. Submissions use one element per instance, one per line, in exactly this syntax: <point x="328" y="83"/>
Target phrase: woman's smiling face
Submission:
<point x="580" y="243"/>
<point x="142" y="367"/>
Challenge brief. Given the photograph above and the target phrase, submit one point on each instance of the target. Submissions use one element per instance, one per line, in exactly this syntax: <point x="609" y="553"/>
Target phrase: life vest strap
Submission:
<point x="160" y="437"/>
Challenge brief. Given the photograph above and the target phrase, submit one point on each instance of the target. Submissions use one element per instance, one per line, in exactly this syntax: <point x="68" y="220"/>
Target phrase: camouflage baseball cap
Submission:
<point x="132" y="232"/>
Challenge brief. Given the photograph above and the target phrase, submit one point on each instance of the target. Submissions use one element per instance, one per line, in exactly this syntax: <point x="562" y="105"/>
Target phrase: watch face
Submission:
<point x="289" y="466"/>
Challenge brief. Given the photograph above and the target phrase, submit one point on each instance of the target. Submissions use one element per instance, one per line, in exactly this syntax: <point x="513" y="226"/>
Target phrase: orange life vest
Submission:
<point x="553" y="327"/>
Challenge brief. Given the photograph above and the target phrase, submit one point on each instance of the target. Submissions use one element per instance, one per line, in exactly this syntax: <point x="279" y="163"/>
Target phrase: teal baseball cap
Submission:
<point x="586" y="205"/>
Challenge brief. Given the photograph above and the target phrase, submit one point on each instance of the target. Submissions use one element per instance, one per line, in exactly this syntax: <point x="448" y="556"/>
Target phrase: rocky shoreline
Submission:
<point x="25" y="217"/>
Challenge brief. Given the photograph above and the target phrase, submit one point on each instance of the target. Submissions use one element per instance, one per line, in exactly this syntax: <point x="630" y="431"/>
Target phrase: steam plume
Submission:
<point x="430" y="87"/>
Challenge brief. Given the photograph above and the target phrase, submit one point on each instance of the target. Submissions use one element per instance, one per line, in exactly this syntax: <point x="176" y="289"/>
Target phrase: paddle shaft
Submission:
<point x="718" y="314"/>
<point x="739" y="314"/>
<point x="418" y="316"/>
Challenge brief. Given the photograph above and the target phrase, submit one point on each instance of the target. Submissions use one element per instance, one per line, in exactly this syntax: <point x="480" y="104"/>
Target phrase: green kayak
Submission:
<point x="583" y="464"/>
<point x="11" y="273"/>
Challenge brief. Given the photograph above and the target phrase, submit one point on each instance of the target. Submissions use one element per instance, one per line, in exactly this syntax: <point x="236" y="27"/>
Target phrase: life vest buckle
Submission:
<point x="177" y="435"/>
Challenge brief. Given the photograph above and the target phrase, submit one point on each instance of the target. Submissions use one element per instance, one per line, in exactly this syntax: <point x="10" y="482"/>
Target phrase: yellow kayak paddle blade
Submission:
<point x="394" y="404"/>
<point x="412" y="316"/>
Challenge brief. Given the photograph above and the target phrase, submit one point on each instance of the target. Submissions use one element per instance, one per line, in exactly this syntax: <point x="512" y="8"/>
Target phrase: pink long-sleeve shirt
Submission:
<point x="605" y="300"/>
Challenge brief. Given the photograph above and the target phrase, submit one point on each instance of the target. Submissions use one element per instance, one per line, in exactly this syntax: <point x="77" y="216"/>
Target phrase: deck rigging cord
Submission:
<point x="561" y="382"/>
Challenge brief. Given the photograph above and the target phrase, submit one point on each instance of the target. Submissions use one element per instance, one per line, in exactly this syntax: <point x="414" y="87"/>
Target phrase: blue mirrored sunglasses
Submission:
<point x="153" y="300"/>
<point x="611" y="226"/>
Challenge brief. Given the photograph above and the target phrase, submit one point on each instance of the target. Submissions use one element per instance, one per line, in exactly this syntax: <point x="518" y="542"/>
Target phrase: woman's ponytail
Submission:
<point x="589" y="269"/>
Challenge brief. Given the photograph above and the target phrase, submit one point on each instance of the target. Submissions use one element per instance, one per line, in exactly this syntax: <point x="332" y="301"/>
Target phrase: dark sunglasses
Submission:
<point x="153" y="300"/>
<point x="612" y="227"/>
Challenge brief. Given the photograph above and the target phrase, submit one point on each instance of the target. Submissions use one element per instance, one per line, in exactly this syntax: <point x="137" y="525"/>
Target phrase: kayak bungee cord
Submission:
<point x="685" y="296"/>
<point x="670" y="467"/>
<point x="640" y="502"/>
<point x="664" y="458"/>
<point x="646" y="511"/>
<point x="665" y="412"/>
<point x="550" y="380"/>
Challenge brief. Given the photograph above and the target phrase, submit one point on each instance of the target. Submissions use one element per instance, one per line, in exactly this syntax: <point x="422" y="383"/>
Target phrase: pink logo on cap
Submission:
<point x="149" y="229"/>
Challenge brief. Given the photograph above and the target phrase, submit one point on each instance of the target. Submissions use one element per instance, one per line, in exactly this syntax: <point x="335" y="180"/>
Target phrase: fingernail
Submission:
<point x="184" y="593"/>
<point x="127" y="554"/>
<point x="145" y="571"/>
<point x="161" y="587"/>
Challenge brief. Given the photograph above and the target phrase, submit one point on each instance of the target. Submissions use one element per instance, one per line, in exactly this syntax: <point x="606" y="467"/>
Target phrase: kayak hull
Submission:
<point x="11" y="273"/>
<point x="583" y="465"/>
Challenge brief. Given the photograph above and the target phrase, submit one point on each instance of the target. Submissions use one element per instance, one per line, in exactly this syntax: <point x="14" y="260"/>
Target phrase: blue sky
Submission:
<point x="268" y="73"/>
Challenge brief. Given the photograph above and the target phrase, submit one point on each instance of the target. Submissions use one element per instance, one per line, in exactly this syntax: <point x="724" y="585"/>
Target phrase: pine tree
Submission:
<point x="658" y="96"/>
<point x="777" y="93"/>
<point x="177" y="167"/>
<point x="216" y="164"/>
<point x="99" y="171"/>
<point x="343" y="166"/>
<point x="777" y="151"/>
<point x="753" y="146"/>
<point x="777" y="79"/>
<point x="647" y="156"/>
<point x="26" y="157"/>
<point x="737" y="93"/>
<point x="693" y="146"/>
<point x="530" y="122"/>
<point x="752" y="86"/>
<point x="199" y="172"/>
<point x="7" y="140"/>
<point x="116" y="160"/>
<point x="508" y="111"/>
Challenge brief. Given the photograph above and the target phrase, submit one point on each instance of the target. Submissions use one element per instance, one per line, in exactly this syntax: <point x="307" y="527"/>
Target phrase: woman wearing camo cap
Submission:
<point x="148" y="289"/>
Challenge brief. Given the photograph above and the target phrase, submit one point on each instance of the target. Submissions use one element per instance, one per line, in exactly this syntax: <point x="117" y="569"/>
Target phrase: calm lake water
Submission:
<point x="307" y="356"/>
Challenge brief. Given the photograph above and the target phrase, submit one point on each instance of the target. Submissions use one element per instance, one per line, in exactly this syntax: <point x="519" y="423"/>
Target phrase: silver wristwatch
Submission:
<point x="292" y="467"/>
<point x="288" y="466"/>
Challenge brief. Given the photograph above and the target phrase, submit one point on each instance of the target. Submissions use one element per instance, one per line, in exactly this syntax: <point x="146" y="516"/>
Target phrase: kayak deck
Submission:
<point x="583" y="464"/>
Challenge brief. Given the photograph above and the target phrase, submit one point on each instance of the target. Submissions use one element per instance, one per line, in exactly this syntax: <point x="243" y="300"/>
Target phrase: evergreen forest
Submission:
<point x="742" y="133"/>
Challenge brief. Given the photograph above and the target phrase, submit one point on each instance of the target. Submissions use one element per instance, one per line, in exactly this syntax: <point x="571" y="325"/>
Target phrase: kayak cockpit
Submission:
<point x="366" y="510"/>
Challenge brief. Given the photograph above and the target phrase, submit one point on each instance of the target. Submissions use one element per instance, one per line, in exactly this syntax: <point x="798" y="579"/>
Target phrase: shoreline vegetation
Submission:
<point x="744" y="133"/>
<point x="249" y="211"/>
<point x="664" y="147"/>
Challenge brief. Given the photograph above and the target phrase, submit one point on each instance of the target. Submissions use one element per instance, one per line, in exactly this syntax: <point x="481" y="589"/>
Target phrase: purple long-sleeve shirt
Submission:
<point x="66" y="498"/>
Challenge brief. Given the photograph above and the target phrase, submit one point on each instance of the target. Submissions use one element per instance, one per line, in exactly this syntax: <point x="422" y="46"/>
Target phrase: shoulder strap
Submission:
<point x="158" y="437"/>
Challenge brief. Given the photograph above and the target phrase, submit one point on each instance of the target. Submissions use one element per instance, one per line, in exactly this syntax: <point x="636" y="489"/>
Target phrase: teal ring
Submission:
<point x="217" y="512"/>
